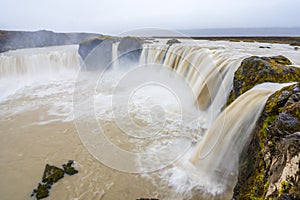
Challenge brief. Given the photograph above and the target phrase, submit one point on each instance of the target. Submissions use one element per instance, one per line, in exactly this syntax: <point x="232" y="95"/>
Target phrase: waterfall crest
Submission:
<point x="208" y="72"/>
<point x="211" y="166"/>
<point x="39" y="61"/>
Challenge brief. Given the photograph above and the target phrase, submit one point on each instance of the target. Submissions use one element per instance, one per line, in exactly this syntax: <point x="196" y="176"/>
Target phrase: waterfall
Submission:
<point x="115" y="53"/>
<point x="37" y="66"/>
<point x="221" y="147"/>
<point x="39" y="61"/>
<point x="208" y="72"/>
<point x="212" y="164"/>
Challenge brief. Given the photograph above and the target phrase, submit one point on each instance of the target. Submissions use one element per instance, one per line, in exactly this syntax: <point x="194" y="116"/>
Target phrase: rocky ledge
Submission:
<point x="269" y="164"/>
<point x="255" y="70"/>
<point x="97" y="53"/>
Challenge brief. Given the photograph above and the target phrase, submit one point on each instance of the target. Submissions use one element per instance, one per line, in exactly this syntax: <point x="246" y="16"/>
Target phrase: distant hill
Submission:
<point x="11" y="40"/>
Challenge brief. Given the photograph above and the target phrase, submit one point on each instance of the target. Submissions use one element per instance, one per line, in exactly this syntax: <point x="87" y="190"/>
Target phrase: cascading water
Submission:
<point x="173" y="99"/>
<point x="208" y="72"/>
<point x="34" y="67"/>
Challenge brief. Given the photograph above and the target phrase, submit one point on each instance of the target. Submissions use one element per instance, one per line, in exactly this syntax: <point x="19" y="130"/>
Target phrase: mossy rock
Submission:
<point x="52" y="174"/>
<point x="42" y="191"/>
<point x="275" y="142"/>
<point x="69" y="168"/>
<point x="256" y="70"/>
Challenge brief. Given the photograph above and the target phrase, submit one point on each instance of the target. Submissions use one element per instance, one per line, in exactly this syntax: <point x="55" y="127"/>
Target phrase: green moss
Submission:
<point x="285" y="187"/>
<point x="52" y="174"/>
<point x="42" y="191"/>
<point x="256" y="70"/>
<point x="69" y="168"/>
<point x="267" y="145"/>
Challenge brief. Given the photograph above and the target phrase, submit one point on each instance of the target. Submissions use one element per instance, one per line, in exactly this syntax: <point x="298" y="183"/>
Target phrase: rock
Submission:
<point x="87" y="46"/>
<point x="42" y="191"/>
<point x="51" y="175"/>
<point x="264" y="47"/>
<point x="255" y="70"/>
<point x="69" y="168"/>
<point x="129" y="50"/>
<point x="295" y="43"/>
<point x="101" y="48"/>
<point x="147" y="199"/>
<point x="11" y="40"/>
<point x="270" y="165"/>
<point x="173" y="41"/>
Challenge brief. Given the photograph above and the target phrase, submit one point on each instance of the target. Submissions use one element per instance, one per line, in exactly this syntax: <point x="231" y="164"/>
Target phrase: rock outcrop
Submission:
<point x="269" y="164"/>
<point x="173" y="41"/>
<point x="97" y="53"/>
<point x="51" y="175"/>
<point x="129" y="50"/>
<point x="255" y="70"/>
<point x="11" y="40"/>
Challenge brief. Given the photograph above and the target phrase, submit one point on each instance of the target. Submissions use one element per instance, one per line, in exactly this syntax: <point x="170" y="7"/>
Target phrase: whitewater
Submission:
<point x="153" y="129"/>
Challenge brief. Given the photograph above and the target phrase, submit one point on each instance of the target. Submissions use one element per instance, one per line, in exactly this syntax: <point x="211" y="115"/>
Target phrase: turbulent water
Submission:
<point x="152" y="130"/>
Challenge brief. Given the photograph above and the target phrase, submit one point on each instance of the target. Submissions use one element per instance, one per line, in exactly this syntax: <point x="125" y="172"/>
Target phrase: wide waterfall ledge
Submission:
<point x="151" y="117"/>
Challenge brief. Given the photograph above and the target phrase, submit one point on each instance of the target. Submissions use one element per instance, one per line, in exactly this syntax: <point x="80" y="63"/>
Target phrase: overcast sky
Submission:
<point x="116" y="16"/>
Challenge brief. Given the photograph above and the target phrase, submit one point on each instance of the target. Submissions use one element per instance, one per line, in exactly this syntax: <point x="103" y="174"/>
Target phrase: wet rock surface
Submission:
<point x="270" y="165"/>
<point x="255" y="70"/>
<point x="69" y="168"/>
<point x="173" y="41"/>
<point x="97" y="52"/>
<point x="50" y="176"/>
<point x="129" y="50"/>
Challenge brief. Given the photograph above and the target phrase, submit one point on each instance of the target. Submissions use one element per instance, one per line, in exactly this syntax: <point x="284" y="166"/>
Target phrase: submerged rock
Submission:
<point x="255" y="70"/>
<point x="51" y="175"/>
<point x="270" y="165"/>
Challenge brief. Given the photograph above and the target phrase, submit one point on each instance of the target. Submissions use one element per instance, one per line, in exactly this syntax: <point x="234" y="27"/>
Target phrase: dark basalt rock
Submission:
<point x="97" y="52"/>
<point x="51" y="175"/>
<point x="88" y="45"/>
<point x="256" y="70"/>
<point x="69" y="168"/>
<point x="173" y="41"/>
<point x="264" y="47"/>
<point x="129" y="50"/>
<point x="42" y="191"/>
<point x="270" y="164"/>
